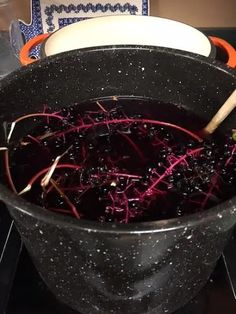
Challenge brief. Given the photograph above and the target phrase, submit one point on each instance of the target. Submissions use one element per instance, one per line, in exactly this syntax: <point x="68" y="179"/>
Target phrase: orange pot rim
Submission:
<point x="227" y="48"/>
<point x="25" y="59"/>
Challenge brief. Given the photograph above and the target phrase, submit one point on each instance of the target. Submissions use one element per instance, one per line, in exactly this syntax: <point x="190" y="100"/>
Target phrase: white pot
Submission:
<point x="127" y="30"/>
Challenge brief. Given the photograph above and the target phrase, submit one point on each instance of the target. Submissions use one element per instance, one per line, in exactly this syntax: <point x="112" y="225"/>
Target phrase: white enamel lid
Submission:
<point x="128" y="30"/>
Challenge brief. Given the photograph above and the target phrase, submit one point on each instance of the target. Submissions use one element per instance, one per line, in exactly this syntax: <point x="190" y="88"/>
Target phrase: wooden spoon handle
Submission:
<point x="221" y="114"/>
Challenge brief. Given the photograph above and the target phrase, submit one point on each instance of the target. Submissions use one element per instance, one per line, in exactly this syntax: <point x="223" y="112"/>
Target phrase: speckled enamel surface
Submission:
<point x="140" y="268"/>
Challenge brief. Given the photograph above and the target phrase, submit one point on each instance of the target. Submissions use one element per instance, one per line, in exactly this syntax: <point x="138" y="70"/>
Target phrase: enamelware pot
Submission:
<point x="228" y="50"/>
<point x="152" y="267"/>
<point x="121" y="30"/>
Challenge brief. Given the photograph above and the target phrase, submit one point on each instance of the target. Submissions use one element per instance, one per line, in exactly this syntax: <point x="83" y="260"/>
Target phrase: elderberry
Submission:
<point x="131" y="171"/>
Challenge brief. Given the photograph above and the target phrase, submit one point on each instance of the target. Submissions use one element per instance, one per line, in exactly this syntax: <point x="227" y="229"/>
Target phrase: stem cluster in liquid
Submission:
<point x="103" y="161"/>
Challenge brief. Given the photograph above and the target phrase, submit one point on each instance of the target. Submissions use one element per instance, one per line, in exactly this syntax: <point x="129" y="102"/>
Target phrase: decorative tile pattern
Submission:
<point x="69" y="20"/>
<point x="145" y="7"/>
<point x="35" y="28"/>
<point x="49" y="15"/>
<point x="93" y="8"/>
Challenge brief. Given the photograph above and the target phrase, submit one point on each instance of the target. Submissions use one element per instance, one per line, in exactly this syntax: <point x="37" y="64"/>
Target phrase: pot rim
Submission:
<point x="25" y="207"/>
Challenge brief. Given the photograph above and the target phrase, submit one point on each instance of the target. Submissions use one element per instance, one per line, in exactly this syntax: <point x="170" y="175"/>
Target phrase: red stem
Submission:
<point x="34" y="139"/>
<point x="133" y="145"/>
<point x="116" y="174"/>
<point x="45" y="108"/>
<point x="35" y="115"/>
<point x="40" y="173"/>
<point x="70" y="204"/>
<point x="231" y="157"/>
<point x="214" y="181"/>
<point x="8" y="171"/>
<point x="168" y="170"/>
<point x="60" y="210"/>
<point x="129" y="120"/>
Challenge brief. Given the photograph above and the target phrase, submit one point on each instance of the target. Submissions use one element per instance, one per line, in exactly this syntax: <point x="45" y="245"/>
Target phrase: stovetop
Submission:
<point x="22" y="291"/>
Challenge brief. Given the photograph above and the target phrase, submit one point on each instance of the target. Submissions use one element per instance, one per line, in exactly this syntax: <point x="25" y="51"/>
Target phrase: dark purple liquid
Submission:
<point x="130" y="170"/>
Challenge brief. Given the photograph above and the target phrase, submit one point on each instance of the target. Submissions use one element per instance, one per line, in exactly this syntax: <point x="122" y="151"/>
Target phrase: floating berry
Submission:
<point x="122" y="161"/>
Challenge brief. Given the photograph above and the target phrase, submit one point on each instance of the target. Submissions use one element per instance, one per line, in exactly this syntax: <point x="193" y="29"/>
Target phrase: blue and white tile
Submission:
<point x="50" y="15"/>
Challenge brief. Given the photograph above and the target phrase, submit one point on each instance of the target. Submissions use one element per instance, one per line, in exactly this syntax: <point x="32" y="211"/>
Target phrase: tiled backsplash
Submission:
<point x="199" y="13"/>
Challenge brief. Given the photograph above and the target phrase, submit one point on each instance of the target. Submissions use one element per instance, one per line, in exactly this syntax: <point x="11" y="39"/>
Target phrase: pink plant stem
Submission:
<point x="231" y="157"/>
<point x="160" y="142"/>
<point x="169" y="170"/>
<point x="8" y="172"/>
<point x="127" y="213"/>
<point x="129" y="120"/>
<point x="34" y="139"/>
<point x="113" y="202"/>
<point x="100" y="106"/>
<point x="125" y="175"/>
<point x="127" y="187"/>
<point x="133" y="145"/>
<point x="32" y="115"/>
<point x="40" y="173"/>
<point x="83" y="150"/>
<point x="35" y="115"/>
<point x="214" y="181"/>
<point x="69" y="203"/>
<point x="45" y="108"/>
<point x="158" y="175"/>
<point x="172" y="158"/>
<point x="73" y="208"/>
<point x="51" y="187"/>
<point x="84" y="191"/>
<point x="60" y="210"/>
<point x="78" y="189"/>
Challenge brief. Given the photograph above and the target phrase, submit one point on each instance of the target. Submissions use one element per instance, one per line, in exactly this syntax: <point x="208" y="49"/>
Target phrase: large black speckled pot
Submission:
<point x="153" y="267"/>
